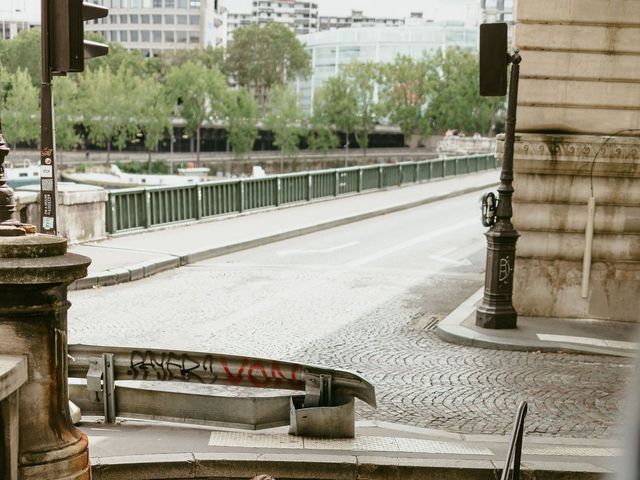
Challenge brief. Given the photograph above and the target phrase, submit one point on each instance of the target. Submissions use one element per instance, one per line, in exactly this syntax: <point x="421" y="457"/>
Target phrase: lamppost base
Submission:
<point x="496" y="318"/>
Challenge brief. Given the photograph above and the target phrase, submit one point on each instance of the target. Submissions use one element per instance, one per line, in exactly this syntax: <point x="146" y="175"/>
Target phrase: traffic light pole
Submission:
<point x="496" y="310"/>
<point x="48" y="181"/>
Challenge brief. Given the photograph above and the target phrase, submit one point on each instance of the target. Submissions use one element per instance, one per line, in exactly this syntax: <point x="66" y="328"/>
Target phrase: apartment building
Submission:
<point x="300" y="17"/>
<point x="16" y="16"/>
<point x="153" y="26"/>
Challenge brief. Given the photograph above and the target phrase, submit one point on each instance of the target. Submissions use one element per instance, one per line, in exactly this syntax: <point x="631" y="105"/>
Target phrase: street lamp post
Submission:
<point x="496" y="310"/>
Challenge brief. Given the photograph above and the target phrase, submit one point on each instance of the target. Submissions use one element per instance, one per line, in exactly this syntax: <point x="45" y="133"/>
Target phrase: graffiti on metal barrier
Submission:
<point x="211" y="369"/>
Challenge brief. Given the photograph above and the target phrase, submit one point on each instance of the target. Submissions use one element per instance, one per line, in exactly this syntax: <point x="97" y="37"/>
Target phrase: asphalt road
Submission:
<point x="364" y="297"/>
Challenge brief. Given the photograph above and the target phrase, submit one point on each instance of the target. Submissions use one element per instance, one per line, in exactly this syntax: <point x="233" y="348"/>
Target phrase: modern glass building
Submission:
<point x="332" y="49"/>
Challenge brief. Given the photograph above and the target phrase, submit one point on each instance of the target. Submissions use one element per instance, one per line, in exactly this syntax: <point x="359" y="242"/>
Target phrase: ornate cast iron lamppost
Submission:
<point x="496" y="310"/>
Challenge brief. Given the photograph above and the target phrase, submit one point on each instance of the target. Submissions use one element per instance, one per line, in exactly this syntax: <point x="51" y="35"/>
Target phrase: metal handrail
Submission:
<point x="515" y="445"/>
<point x="132" y="208"/>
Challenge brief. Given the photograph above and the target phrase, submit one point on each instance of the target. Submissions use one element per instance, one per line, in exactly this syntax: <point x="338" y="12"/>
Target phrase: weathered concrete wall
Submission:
<point x="81" y="210"/>
<point x="553" y="184"/>
<point x="578" y="106"/>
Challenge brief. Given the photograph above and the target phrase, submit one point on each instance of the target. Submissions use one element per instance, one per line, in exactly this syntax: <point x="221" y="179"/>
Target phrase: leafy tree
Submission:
<point x="67" y="113"/>
<point x="21" y="112"/>
<point x="153" y="112"/>
<point x="262" y="57"/>
<point x="242" y="119"/>
<point x="337" y="105"/>
<point x="404" y="94"/>
<point x="284" y="119"/>
<point x="322" y="135"/>
<point x="362" y="79"/>
<point x="190" y="87"/>
<point x="22" y="52"/>
<point x="210" y="57"/>
<point x="108" y="106"/>
<point x="456" y="101"/>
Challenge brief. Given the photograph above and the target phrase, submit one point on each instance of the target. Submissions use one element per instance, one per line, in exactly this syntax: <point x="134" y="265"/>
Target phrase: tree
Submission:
<point x="21" y="112"/>
<point x="66" y="111"/>
<point x="210" y="57"/>
<point x="456" y="101"/>
<point x="362" y="79"/>
<point x="22" y="53"/>
<point x="262" y="57"/>
<point x="153" y="112"/>
<point x="108" y="106"/>
<point x="284" y="119"/>
<point x="404" y="94"/>
<point x="322" y="135"/>
<point x="242" y="119"/>
<point x="337" y="104"/>
<point x="190" y="88"/>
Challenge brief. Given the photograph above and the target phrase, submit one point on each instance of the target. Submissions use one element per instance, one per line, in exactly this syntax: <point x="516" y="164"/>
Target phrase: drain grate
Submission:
<point x="426" y="321"/>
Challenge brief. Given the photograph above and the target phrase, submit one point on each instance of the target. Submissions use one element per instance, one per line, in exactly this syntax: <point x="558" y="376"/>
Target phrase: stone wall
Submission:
<point x="578" y="111"/>
<point x="81" y="210"/>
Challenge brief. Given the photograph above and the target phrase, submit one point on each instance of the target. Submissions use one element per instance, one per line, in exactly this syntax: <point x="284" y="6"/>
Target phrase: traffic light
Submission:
<point x="493" y="59"/>
<point x="67" y="47"/>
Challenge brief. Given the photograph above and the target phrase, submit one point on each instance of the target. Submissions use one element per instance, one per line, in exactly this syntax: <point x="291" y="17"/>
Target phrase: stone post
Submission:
<point x="35" y="271"/>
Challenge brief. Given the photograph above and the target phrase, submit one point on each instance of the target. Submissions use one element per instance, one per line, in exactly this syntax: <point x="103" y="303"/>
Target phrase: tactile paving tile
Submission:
<point x="361" y="443"/>
<point x="254" y="440"/>
<point x="573" y="451"/>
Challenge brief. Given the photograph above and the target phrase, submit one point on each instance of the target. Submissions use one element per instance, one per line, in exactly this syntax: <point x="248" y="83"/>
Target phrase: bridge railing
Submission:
<point x="139" y="208"/>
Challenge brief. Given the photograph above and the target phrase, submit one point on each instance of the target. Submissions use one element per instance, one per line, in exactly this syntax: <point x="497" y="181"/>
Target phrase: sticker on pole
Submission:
<point x="47" y="223"/>
<point x="46" y="171"/>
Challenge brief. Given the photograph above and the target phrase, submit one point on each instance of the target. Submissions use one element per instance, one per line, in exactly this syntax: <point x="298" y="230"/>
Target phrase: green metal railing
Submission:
<point x="139" y="208"/>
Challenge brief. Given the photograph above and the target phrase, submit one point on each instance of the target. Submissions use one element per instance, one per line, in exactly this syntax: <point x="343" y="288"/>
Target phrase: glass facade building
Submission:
<point x="332" y="49"/>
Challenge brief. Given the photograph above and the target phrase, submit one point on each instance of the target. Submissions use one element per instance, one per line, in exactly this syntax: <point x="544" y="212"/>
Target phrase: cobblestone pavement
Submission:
<point x="362" y="297"/>
<point x="424" y="381"/>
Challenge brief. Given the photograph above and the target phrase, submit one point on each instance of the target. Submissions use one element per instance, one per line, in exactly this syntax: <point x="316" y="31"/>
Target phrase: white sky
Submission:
<point x="433" y="9"/>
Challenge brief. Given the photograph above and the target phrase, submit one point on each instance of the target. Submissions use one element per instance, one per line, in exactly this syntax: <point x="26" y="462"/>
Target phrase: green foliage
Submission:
<point x="108" y="106"/>
<point x="361" y="79"/>
<point x="284" y="119"/>
<point x="158" y="167"/>
<point x="22" y="53"/>
<point x="212" y="58"/>
<point x="322" y="135"/>
<point x="153" y="111"/>
<point x="262" y="57"/>
<point x="456" y="102"/>
<point x="20" y="109"/>
<point x="67" y="113"/>
<point x="242" y="119"/>
<point x="405" y="88"/>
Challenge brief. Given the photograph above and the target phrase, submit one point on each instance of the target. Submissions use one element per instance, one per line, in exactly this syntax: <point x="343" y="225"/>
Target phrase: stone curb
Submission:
<point x="451" y="330"/>
<point x="243" y="466"/>
<point x="167" y="262"/>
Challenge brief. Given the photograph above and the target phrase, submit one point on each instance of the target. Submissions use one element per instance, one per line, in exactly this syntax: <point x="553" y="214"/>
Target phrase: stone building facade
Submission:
<point x="578" y="137"/>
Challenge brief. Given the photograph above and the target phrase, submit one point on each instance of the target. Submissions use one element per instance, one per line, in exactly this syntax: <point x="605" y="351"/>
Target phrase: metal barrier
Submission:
<point x="515" y="445"/>
<point x="325" y="409"/>
<point x="139" y="208"/>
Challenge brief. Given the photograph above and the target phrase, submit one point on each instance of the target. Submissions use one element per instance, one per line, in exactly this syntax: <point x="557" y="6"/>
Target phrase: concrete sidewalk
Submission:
<point x="131" y="257"/>
<point x="540" y="334"/>
<point x="151" y="450"/>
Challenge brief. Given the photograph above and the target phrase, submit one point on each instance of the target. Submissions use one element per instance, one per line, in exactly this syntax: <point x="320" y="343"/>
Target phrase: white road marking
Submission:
<point x="458" y="263"/>
<point x="597" y="342"/>
<point x="303" y="251"/>
<point x="411" y="242"/>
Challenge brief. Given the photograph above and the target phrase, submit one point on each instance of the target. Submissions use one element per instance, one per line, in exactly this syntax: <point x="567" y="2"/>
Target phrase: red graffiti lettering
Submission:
<point x="279" y="375"/>
<point x="236" y="378"/>
<point x="256" y="381"/>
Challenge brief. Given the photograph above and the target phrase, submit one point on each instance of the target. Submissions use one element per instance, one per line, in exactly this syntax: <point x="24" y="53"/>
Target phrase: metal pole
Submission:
<point x="497" y="309"/>
<point x="48" y="204"/>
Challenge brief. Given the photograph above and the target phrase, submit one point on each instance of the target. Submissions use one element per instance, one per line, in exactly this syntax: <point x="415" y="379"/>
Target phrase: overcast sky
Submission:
<point x="433" y="9"/>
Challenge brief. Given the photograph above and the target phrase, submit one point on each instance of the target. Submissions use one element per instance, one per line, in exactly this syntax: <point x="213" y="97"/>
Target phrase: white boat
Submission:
<point x="118" y="179"/>
<point x="27" y="174"/>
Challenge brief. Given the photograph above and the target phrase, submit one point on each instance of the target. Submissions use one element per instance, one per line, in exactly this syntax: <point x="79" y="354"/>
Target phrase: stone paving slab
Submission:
<point x="152" y="251"/>
<point x="540" y="334"/>
<point x="189" y="455"/>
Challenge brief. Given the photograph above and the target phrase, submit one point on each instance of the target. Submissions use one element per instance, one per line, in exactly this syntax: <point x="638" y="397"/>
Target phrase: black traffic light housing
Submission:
<point x="67" y="47"/>
<point x="494" y="59"/>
